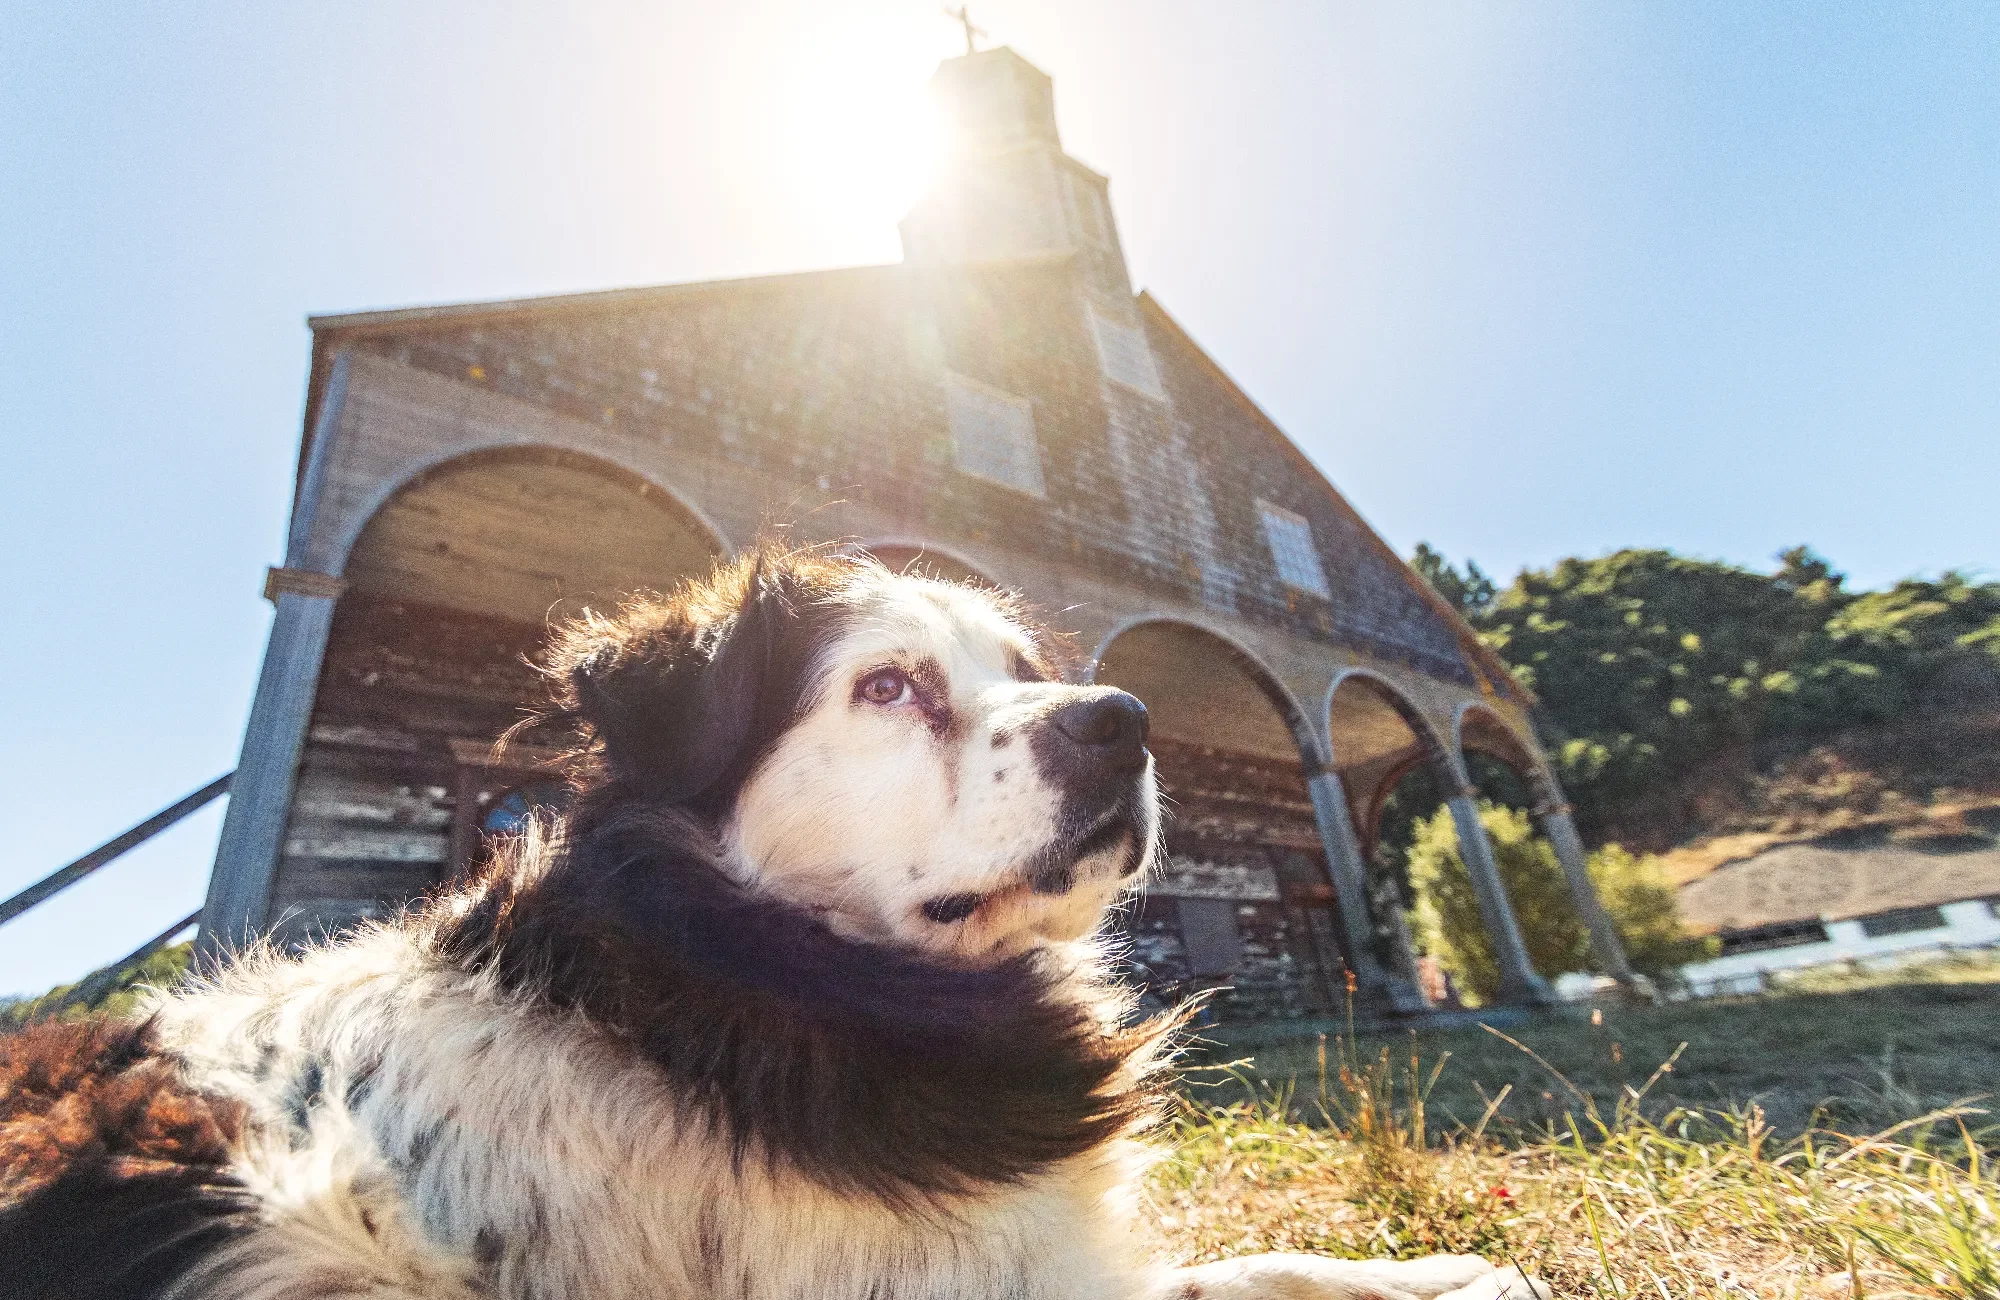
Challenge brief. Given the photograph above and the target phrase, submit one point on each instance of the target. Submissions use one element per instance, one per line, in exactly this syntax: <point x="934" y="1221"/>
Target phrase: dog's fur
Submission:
<point x="798" y="998"/>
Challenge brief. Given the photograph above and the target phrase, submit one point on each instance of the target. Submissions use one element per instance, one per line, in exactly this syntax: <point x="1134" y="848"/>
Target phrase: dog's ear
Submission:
<point x="676" y="707"/>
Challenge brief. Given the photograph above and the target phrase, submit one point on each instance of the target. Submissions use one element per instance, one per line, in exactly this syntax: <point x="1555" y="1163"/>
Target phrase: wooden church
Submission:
<point x="1001" y="407"/>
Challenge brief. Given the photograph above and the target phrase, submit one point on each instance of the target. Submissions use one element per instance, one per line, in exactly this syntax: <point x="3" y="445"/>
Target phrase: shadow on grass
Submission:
<point x="1857" y="1059"/>
<point x="1560" y="1151"/>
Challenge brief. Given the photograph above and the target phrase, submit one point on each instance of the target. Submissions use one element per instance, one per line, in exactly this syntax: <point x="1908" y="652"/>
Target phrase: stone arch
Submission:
<point x="337" y="538"/>
<point x="522" y="532"/>
<point x="1245" y="670"/>
<point x="1384" y="749"/>
<point x="1377" y="737"/>
<point x="911" y="554"/>
<point x="451" y="583"/>
<point x="1478" y="730"/>
<point x="1244" y="896"/>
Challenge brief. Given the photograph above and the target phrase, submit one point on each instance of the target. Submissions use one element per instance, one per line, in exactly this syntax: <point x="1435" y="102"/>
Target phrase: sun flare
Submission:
<point x="854" y="130"/>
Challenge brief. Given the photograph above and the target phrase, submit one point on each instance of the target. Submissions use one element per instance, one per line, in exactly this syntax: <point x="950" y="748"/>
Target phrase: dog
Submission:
<point x="799" y="997"/>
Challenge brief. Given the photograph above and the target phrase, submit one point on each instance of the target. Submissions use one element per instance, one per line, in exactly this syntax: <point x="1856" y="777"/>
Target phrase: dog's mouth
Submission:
<point x="1053" y="871"/>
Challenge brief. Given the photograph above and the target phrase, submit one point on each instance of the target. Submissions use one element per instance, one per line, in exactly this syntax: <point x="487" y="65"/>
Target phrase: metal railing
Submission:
<point x="57" y="881"/>
<point x="102" y="981"/>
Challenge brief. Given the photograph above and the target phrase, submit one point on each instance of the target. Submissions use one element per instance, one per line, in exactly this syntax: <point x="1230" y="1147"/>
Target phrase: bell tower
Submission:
<point x="1008" y="190"/>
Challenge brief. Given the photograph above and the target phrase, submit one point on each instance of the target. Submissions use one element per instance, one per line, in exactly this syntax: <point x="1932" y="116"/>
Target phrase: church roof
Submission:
<point x="1803" y="882"/>
<point x="1148" y="463"/>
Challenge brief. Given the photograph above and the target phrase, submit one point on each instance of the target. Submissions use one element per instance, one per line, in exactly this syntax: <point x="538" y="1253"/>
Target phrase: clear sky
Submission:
<point x="1528" y="280"/>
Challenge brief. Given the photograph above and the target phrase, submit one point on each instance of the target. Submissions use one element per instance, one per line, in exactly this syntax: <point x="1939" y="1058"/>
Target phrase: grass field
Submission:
<point x="1854" y="1050"/>
<point x="1832" y="1141"/>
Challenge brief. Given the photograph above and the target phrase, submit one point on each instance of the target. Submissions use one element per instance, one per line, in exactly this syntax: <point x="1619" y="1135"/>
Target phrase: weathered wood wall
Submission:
<point x="1240" y="831"/>
<point x="371" y="819"/>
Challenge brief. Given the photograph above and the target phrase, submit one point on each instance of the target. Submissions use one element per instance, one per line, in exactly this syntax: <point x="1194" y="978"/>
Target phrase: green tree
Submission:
<point x="1656" y="671"/>
<point x="1446" y="921"/>
<point x="1917" y="647"/>
<point x="1471" y="592"/>
<point x="1651" y="665"/>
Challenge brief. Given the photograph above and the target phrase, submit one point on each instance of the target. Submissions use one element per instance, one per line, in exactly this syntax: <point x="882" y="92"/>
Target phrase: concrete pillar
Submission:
<point x="1518" y="980"/>
<point x="260" y="794"/>
<point x="1398" y="988"/>
<point x="1605" y="945"/>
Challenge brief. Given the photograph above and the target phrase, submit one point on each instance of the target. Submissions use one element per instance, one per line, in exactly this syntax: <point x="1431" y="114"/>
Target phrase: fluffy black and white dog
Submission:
<point x="798" y="998"/>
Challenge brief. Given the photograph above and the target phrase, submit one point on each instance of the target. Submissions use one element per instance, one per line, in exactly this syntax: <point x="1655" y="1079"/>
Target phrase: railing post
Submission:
<point x="63" y="877"/>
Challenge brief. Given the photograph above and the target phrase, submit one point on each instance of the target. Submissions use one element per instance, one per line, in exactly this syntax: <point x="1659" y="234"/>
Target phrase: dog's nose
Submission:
<point x="1106" y="729"/>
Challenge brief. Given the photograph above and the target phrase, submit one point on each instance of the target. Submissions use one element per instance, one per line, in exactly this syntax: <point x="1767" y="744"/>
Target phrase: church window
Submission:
<point x="1093" y="221"/>
<point x="1291" y="540"/>
<point x="993" y="434"/>
<point x="1128" y="359"/>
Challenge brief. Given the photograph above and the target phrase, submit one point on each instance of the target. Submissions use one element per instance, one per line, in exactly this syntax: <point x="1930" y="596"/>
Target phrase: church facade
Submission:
<point x="998" y="407"/>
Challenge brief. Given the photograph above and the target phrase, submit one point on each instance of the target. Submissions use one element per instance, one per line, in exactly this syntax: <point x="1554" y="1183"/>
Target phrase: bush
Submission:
<point x="120" y="996"/>
<point x="1446" y="921"/>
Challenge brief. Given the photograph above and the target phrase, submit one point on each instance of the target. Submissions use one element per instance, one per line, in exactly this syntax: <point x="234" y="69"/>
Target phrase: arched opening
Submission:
<point x="1496" y="760"/>
<point x="525" y="535"/>
<point x="1243" y="900"/>
<point x="925" y="561"/>
<point x="452" y="585"/>
<point x="1516" y="798"/>
<point x="1396" y="779"/>
<point x="1389" y="762"/>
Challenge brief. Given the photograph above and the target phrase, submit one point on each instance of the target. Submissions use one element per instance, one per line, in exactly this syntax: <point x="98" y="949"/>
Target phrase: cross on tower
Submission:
<point x="964" y="19"/>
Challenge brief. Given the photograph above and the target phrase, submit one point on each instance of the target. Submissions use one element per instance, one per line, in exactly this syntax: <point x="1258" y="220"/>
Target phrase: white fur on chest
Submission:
<point x="460" y="1142"/>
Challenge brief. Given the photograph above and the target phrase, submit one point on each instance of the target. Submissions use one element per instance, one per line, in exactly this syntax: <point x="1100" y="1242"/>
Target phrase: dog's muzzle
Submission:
<point x="1090" y="741"/>
<point x="1093" y="750"/>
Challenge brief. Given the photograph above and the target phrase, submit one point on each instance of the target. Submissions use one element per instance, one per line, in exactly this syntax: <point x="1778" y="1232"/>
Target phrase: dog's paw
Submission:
<point x="1508" y="1283"/>
<point x="1314" y="1277"/>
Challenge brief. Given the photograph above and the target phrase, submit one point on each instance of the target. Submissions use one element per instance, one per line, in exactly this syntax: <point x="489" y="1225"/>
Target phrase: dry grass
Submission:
<point x="1619" y="1201"/>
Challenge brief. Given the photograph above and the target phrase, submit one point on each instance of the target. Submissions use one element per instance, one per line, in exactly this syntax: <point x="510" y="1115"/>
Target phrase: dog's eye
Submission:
<point x="888" y="686"/>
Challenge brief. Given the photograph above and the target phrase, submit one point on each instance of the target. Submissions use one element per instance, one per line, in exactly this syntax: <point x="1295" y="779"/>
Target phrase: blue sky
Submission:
<point x="1527" y="280"/>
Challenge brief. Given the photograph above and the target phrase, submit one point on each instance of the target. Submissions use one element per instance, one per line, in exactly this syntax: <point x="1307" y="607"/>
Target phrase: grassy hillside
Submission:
<point x="1683" y="697"/>
<point x="122" y="990"/>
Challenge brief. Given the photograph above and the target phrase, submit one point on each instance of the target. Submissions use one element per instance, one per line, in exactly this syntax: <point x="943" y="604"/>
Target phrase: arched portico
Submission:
<point x="526" y="534"/>
<point x="1478" y="729"/>
<point x="400" y="670"/>
<point x="1379" y="740"/>
<point x="399" y="426"/>
<point x="1247" y="891"/>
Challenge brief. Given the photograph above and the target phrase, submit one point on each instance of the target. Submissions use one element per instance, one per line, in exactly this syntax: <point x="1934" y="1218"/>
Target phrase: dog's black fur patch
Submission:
<point x="111" y="1170"/>
<point x="866" y="1067"/>
<point x="99" y="1232"/>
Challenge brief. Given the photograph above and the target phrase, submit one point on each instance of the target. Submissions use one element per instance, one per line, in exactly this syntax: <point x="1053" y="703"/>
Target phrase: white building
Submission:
<point x="1804" y="905"/>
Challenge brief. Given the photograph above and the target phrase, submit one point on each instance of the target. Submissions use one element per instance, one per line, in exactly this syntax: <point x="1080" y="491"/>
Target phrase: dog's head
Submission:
<point x="895" y="754"/>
